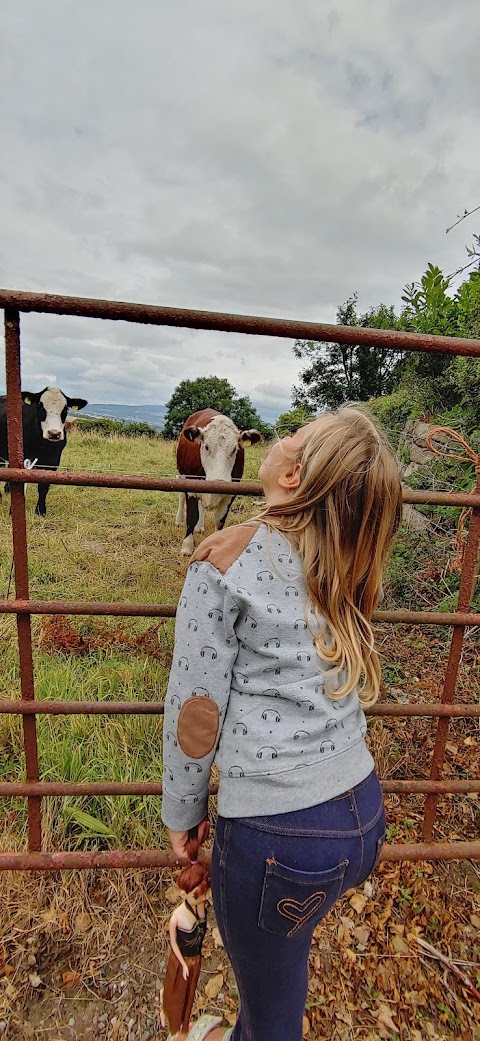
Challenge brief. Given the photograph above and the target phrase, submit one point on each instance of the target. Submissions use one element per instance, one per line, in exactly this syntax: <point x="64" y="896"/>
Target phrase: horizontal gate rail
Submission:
<point x="90" y="607"/>
<point x="414" y="851"/>
<point x="176" y="484"/>
<point x="23" y="607"/>
<point x="184" y="318"/>
<point x="156" y="708"/>
<point x="12" y="789"/>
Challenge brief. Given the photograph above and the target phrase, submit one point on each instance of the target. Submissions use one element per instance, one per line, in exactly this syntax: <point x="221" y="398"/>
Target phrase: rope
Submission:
<point x="456" y="563"/>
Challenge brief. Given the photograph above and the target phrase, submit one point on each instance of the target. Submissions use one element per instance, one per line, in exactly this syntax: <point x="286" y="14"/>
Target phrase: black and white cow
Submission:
<point x="44" y="434"/>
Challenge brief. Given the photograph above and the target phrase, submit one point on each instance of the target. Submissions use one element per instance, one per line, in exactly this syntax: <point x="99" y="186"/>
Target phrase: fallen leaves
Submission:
<point x="358" y="901"/>
<point x="370" y="980"/>
<point x="82" y="923"/>
<point x="70" y="978"/>
<point x="55" y="920"/>
<point x="5" y="968"/>
<point x="385" y="1021"/>
<point x="399" y="945"/>
<point x="10" y="994"/>
<point x="214" y="986"/>
<point x="172" y="894"/>
<point x="361" y="934"/>
<point x="368" y="975"/>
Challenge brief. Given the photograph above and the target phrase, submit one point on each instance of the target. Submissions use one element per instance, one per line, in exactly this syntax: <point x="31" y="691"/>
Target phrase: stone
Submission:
<point x="413" y="519"/>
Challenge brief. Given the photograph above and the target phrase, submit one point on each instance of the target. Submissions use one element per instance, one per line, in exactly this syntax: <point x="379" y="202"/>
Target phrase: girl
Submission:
<point x="273" y="661"/>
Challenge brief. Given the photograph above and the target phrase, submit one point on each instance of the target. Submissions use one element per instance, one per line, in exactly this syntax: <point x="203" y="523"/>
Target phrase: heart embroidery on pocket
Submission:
<point x="301" y="912"/>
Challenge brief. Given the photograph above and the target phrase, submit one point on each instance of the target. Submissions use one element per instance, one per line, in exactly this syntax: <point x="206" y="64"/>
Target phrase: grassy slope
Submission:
<point x="120" y="545"/>
<point x="103" y="544"/>
<point x="99" y="544"/>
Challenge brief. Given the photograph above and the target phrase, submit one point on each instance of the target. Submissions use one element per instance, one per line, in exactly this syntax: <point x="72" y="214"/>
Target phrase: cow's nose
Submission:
<point x="54" y="435"/>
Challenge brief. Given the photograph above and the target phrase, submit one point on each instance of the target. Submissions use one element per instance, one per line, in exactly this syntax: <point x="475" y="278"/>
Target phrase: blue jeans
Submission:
<point x="273" y="879"/>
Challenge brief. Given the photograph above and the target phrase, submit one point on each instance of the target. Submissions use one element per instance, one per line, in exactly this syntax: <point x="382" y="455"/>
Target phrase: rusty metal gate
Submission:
<point x="33" y="788"/>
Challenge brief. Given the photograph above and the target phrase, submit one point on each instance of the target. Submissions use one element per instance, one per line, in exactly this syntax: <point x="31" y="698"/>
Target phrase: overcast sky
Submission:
<point x="266" y="156"/>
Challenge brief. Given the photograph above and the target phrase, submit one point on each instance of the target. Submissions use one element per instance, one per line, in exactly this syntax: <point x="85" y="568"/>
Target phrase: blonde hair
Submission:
<point x="342" y="519"/>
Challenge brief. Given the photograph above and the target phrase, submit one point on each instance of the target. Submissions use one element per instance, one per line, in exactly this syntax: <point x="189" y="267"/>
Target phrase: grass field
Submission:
<point x="109" y="544"/>
<point x="67" y="939"/>
<point x="99" y="544"/>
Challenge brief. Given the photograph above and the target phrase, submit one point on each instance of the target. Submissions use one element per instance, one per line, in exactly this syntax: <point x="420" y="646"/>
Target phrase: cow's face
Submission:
<point x="219" y="443"/>
<point x="52" y="407"/>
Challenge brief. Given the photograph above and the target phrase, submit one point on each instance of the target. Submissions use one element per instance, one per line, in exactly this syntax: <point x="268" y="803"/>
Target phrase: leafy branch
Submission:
<point x="472" y="251"/>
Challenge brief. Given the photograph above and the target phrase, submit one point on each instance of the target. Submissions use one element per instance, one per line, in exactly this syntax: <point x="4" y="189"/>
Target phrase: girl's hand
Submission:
<point x="185" y="971"/>
<point x="179" y="839"/>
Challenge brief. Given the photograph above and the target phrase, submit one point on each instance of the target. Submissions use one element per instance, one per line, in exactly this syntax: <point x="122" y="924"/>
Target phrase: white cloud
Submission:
<point x="265" y="159"/>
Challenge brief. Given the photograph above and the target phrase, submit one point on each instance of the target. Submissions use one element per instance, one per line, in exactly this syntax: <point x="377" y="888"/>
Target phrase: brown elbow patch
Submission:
<point x="198" y="727"/>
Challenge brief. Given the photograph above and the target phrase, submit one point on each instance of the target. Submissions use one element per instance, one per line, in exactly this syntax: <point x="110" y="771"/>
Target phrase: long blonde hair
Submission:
<point x="342" y="519"/>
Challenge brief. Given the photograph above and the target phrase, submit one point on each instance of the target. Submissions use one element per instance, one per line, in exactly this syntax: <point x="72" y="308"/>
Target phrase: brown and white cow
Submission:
<point x="211" y="446"/>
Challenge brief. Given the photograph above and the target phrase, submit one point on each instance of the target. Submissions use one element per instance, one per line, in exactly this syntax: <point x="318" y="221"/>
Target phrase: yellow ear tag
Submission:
<point x="74" y="408"/>
<point x="28" y="401"/>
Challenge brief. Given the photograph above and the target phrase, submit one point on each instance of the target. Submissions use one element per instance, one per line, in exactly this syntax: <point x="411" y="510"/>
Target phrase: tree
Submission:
<point x="473" y="251"/>
<point x="435" y="383"/>
<point x="438" y="379"/>
<point x="462" y="376"/>
<point x="338" y="372"/>
<point x="210" y="392"/>
<point x="429" y="309"/>
<point x="468" y="306"/>
<point x="290" y="422"/>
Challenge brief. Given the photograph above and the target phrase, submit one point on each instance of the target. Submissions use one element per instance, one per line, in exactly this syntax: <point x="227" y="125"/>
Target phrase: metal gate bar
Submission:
<point x="86" y="607"/>
<point x="467" y="583"/>
<point x="118" y="858"/>
<point x="155" y="708"/>
<point x="182" y="484"/>
<point x="184" y="318"/>
<point x="42" y="789"/>
<point x="23" y="607"/>
<point x="20" y="556"/>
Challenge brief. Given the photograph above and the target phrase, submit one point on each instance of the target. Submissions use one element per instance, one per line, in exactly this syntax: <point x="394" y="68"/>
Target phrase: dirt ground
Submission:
<point x="88" y="958"/>
<point x="83" y="954"/>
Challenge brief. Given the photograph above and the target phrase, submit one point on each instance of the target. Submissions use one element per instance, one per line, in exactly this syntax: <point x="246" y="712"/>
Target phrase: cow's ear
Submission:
<point x="30" y="399"/>
<point x="250" y="436"/>
<point x="192" y="433"/>
<point x="75" y="403"/>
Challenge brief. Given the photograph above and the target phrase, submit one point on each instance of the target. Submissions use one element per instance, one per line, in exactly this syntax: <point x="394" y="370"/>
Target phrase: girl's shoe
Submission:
<point x="202" y="1028"/>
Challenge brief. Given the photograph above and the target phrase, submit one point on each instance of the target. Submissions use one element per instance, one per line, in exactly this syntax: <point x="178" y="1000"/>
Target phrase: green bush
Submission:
<point x="394" y="410"/>
<point x="463" y="383"/>
<point x="441" y="475"/>
<point x="289" y="422"/>
<point x="103" y="425"/>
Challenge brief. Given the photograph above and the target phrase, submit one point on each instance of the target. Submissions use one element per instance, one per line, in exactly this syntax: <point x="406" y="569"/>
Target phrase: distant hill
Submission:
<point x="155" y="414"/>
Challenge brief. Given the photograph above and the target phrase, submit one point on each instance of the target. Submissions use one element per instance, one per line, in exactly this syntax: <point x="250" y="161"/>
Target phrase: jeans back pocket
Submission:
<point x="293" y="899"/>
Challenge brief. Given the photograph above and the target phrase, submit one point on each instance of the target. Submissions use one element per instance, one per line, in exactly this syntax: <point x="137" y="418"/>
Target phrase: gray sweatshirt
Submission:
<point x="246" y="689"/>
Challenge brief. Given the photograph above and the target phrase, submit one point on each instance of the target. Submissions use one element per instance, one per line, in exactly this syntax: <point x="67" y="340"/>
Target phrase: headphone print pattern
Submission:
<point x="254" y="640"/>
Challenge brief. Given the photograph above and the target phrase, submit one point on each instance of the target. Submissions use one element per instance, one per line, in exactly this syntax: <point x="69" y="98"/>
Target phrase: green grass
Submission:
<point x="99" y="544"/>
<point x="122" y="545"/>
